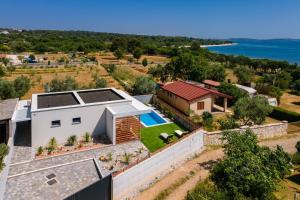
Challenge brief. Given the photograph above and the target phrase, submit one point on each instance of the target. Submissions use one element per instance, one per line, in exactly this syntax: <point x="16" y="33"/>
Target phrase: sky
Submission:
<point x="220" y="19"/>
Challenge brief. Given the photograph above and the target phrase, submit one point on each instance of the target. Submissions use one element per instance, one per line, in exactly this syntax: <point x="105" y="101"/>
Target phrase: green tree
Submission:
<point x="251" y="110"/>
<point x="145" y="62"/>
<point x="137" y="53"/>
<point x="233" y="91"/>
<point x="195" y="46"/>
<point x="2" y="71"/>
<point x="144" y="85"/>
<point x="269" y="90"/>
<point x="283" y="80"/>
<point x="119" y="53"/>
<point x="5" y="61"/>
<point x="159" y="72"/>
<point x="244" y="74"/>
<point x="296" y="87"/>
<point x="248" y="169"/>
<point x="217" y="73"/>
<point x="7" y="89"/>
<point x="57" y="85"/>
<point x="70" y="83"/>
<point x="22" y="85"/>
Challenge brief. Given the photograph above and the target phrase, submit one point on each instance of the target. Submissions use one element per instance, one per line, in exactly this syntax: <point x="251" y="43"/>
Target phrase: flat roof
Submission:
<point x="77" y="98"/>
<point x="7" y="108"/>
<point x="56" y="100"/>
<point x="94" y="96"/>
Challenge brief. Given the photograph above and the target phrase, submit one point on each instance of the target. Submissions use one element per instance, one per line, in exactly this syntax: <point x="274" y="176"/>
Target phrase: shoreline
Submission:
<point x="218" y="45"/>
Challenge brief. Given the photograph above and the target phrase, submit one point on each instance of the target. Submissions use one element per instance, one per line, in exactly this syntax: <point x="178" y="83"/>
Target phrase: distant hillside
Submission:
<point x="70" y="41"/>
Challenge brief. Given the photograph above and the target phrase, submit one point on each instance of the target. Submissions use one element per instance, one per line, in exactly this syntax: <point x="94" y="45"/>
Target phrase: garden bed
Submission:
<point x="76" y="146"/>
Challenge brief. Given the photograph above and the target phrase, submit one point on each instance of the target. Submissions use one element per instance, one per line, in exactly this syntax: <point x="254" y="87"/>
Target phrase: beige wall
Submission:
<point x="174" y="100"/>
<point x="207" y="104"/>
<point x="184" y="105"/>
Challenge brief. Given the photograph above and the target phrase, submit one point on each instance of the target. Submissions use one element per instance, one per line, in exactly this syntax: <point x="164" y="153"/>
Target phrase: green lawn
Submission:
<point x="151" y="139"/>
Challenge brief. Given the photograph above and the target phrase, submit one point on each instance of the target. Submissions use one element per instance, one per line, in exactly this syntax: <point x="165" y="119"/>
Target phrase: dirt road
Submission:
<point x="201" y="166"/>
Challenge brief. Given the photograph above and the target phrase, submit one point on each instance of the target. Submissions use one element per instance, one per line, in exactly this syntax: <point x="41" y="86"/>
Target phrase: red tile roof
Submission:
<point x="190" y="91"/>
<point x="212" y="83"/>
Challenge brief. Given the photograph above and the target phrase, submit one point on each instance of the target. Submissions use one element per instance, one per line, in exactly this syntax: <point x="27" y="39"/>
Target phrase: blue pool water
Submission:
<point x="276" y="49"/>
<point x="151" y="119"/>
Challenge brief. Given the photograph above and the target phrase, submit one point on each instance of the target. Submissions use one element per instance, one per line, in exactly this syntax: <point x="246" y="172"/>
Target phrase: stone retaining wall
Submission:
<point x="262" y="132"/>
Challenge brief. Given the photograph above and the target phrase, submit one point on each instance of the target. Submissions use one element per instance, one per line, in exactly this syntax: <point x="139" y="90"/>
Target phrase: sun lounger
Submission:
<point x="166" y="137"/>
<point x="179" y="133"/>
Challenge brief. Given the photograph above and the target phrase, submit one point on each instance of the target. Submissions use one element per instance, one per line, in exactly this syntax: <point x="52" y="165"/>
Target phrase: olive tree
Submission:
<point x="252" y="110"/>
<point x="143" y="85"/>
<point x="249" y="169"/>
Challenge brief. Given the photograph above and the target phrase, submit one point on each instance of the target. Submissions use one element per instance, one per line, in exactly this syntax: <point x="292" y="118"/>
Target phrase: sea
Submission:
<point x="274" y="49"/>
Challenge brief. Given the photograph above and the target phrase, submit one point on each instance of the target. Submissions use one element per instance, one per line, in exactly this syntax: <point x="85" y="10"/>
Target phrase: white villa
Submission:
<point x="96" y="111"/>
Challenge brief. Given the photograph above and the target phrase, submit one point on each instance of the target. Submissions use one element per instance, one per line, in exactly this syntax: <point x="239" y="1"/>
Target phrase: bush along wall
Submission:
<point x="282" y="114"/>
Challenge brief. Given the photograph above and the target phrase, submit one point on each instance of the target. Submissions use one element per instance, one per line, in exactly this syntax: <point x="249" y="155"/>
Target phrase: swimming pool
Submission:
<point x="152" y="119"/>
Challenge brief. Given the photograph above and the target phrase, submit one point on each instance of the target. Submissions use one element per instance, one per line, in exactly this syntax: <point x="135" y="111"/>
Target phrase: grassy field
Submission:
<point x="83" y="75"/>
<point x="290" y="102"/>
<point x="151" y="136"/>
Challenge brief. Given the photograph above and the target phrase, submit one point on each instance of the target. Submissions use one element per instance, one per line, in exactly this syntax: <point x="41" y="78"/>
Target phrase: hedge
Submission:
<point x="282" y="114"/>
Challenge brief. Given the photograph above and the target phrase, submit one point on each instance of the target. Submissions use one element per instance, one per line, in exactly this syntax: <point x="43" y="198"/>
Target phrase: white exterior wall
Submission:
<point x="110" y="126"/>
<point x="93" y="120"/>
<point x="138" y="177"/>
<point x="207" y="104"/>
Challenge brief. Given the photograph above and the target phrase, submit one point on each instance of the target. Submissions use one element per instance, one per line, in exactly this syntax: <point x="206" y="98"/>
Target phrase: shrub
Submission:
<point x="72" y="140"/>
<point x="100" y="83"/>
<point x="298" y="146"/>
<point x="145" y="62"/>
<point x="50" y="150"/>
<point x="3" y="152"/>
<point x="127" y="158"/>
<point x="229" y="123"/>
<point x="282" y="114"/>
<point x="40" y="150"/>
<point x="207" y="120"/>
<point x="87" y="137"/>
<point x="52" y="143"/>
<point x="296" y="158"/>
<point x="207" y="191"/>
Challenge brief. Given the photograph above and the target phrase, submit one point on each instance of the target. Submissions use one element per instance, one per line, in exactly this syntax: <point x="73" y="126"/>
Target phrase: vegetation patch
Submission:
<point x="282" y="114"/>
<point x="165" y="193"/>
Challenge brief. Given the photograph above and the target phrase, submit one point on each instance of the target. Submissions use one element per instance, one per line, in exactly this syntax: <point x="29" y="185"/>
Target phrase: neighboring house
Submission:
<point x="4" y="32"/>
<point x="190" y="96"/>
<point x="210" y="84"/>
<point x="250" y="91"/>
<point x="98" y="111"/>
<point x="13" y="59"/>
<point x="272" y="101"/>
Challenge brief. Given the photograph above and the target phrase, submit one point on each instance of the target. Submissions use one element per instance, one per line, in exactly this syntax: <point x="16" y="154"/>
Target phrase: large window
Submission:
<point x="76" y="120"/>
<point x="200" y="105"/>
<point x="55" y="123"/>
